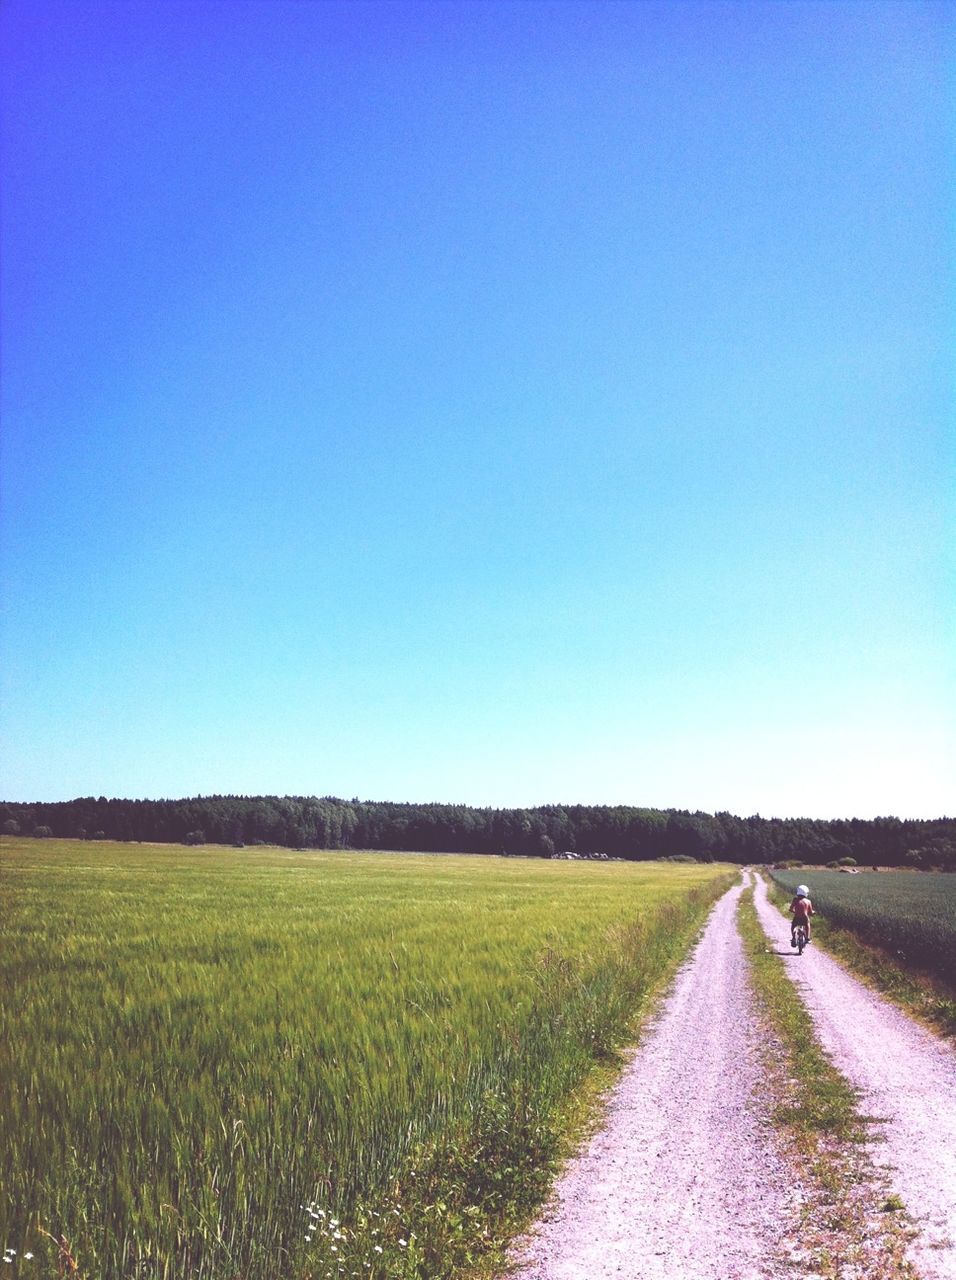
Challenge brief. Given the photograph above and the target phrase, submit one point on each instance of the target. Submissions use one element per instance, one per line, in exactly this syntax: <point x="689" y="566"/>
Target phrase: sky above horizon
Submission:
<point x="492" y="403"/>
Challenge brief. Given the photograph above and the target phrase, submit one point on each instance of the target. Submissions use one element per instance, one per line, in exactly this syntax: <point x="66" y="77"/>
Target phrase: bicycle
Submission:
<point x="800" y="938"/>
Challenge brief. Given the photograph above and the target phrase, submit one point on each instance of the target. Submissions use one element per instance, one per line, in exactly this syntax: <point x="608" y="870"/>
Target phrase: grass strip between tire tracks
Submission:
<point x="851" y="1220"/>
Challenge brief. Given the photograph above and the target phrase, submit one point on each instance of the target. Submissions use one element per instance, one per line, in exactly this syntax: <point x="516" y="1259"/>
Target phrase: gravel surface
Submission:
<point x="906" y="1077"/>
<point x="686" y="1181"/>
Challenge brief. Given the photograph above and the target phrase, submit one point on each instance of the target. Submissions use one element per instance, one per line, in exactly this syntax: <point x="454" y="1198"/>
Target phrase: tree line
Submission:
<point x="617" y="831"/>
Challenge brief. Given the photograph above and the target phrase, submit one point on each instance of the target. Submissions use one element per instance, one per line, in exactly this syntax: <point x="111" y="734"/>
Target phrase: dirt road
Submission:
<point x="687" y="1180"/>
<point x="907" y="1078"/>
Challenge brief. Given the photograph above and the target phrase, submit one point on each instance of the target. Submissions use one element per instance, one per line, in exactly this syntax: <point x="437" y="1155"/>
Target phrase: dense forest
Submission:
<point x="619" y="831"/>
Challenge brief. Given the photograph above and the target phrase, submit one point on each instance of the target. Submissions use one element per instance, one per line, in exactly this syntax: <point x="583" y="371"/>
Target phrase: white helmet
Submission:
<point x="802" y="891"/>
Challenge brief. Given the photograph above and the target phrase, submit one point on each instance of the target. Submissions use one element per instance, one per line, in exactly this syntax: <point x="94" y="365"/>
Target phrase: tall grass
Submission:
<point x="264" y="1064"/>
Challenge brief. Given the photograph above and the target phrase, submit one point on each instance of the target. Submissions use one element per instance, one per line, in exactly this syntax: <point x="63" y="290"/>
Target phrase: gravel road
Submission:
<point x="906" y="1077"/>
<point x="686" y="1181"/>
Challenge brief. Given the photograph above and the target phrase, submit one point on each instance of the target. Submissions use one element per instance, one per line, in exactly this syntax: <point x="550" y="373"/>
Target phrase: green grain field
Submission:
<point x="280" y="1065"/>
<point x="912" y="914"/>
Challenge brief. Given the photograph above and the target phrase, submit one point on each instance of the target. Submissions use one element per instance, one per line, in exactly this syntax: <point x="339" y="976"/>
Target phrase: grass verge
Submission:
<point x="852" y="1224"/>
<point x="923" y="995"/>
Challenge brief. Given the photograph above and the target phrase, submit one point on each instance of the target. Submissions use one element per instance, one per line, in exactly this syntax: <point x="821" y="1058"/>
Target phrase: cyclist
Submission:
<point x="801" y="908"/>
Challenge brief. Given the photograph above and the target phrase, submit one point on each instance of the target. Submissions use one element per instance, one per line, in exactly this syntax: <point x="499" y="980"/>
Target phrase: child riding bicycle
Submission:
<point x="801" y="909"/>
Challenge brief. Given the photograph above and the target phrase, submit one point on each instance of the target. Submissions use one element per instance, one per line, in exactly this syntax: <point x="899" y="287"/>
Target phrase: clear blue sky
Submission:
<point x="494" y="403"/>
